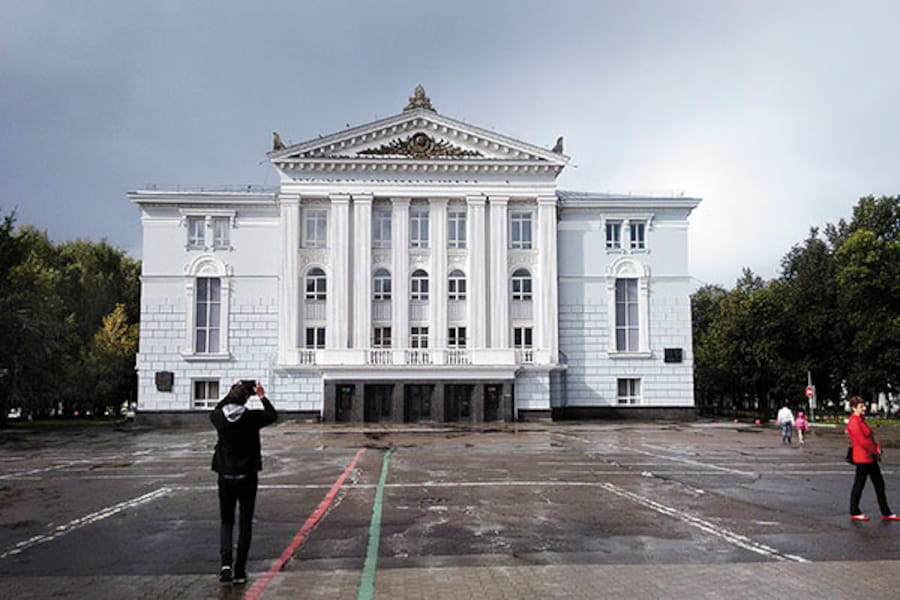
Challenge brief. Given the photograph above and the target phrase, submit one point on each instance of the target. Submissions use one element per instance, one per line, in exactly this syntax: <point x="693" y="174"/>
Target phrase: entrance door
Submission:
<point x="378" y="402"/>
<point x="458" y="403"/>
<point x="344" y="403"/>
<point x="492" y="402"/>
<point x="417" y="403"/>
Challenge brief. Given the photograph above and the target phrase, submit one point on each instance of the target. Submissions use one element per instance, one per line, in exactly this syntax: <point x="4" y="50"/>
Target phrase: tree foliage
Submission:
<point x="834" y="312"/>
<point x="53" y="300"/>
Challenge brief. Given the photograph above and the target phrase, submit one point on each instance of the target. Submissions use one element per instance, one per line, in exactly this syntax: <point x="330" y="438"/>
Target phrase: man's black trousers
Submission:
<point x="233" y="491"/>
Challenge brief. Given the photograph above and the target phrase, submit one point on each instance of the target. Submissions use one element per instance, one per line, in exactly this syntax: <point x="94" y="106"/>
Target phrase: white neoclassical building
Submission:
<point x="416" y="268"/>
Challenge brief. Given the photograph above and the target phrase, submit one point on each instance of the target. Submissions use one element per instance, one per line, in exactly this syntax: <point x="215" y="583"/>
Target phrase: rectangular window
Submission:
<point x="629" y="391"/>
<point x="208" y="315"/>
<point x="206" y="393"/>
<point x="315" y="338"/>
<point x="456" y="229"/>
<point x="315" y="228"/>
<point x="382" y="287"/>
<point x="636" y="231"/>
<point x="418" y="228"/>
<point x="196" y="232"/>
<point x="613" y="235"/>
<point x="456" y="337"/>
<point x="221" y="227"/>
<point x="418" y="337"/>
<point x="381" y="337"/>
<point x="381" y="228"/>
<point x="627" y="326"/>
<point x="522" y="337"/>
<point x="520" y="236"/>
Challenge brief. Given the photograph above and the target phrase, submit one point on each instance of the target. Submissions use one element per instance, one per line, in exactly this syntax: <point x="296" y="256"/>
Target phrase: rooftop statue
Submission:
<point x="419" y="100"/>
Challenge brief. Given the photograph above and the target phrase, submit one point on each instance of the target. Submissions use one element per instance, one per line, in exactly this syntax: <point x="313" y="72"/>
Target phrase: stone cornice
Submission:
<point x="363" y="165"/>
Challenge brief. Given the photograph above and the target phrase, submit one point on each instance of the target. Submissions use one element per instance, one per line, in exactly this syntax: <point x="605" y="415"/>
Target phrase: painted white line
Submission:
<point x="696" y="463"/>
<point x="32" y="472"/>
<point x="729" y="536"/>
<point x="80" y="522"/>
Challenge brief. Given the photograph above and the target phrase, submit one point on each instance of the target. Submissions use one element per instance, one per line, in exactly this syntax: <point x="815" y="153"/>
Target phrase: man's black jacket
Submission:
<point x="238" y="450"/>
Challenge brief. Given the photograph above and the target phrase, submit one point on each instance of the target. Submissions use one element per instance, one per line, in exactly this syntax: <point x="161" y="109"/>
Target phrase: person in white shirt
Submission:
<point x="786" y="420"/>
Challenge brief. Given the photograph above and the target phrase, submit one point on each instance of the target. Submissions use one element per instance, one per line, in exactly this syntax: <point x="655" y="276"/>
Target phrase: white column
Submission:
<point x="499" y="283"/>
<point x="546" y="289"/>
<point x="476" y="275"/>
<point x="400" y="272"/>
<point x="337" y="332"/>
<point x="289" y="296"/>
<point x="361" y="289"/>
<point x="438" y="297"/>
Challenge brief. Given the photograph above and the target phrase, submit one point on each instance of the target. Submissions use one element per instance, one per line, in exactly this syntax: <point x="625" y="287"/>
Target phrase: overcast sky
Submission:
<point x="780" y="115"/>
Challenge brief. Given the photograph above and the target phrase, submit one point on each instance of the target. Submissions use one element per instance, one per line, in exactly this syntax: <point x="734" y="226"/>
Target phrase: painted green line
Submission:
<point x="367" y="581"/>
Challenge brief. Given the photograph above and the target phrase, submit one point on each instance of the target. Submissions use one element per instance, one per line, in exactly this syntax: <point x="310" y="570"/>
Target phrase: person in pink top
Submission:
<point x="866" y="454"/>
<point x="801" y="425"/>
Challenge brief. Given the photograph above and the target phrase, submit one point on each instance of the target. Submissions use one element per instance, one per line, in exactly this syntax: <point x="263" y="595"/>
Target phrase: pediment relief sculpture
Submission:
<point x="419" y="145"/>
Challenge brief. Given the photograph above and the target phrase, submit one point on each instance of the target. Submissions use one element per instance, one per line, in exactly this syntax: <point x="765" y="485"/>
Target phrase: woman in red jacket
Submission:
<point x="866" y="454"/>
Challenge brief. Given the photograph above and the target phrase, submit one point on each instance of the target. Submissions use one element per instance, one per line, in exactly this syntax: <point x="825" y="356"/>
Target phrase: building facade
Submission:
<point x="416" y="268"/>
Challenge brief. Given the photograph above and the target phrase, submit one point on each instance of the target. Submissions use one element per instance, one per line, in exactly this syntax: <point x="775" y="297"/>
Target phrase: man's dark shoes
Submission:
<point x="225" y="575"/>
<point x="240" y="578"/>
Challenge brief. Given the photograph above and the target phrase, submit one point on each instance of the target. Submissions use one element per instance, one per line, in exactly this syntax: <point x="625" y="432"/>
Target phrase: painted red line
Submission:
<point x="255" y="592"/>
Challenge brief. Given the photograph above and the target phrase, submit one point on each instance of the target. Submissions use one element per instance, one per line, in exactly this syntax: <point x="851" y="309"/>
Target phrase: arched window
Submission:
<point x="381" y="285"/>
<point x="521" y="285"/>
<point x="315" y="284"/>
<point x="418" y="289"/>
<point x="456" y="285"/>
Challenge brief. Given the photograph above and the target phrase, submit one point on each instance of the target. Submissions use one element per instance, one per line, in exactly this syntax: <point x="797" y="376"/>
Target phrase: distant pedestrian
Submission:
<point x="786" y="420"/>
<point x="237" y="459"/>
<point x="866" y="454"/>
<point x="801" y="425"/>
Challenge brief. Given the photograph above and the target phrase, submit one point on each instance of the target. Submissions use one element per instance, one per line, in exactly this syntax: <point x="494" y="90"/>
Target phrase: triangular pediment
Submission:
<point x="418" y="135"/>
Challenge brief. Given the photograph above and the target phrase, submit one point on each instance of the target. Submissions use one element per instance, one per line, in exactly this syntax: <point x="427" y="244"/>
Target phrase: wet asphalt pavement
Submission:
<point x="108" y="503"/>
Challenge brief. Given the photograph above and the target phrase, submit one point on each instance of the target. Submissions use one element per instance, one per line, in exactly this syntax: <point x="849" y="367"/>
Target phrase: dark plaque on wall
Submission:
<point x="164" y="380"/>
<point x="673" y="355"/>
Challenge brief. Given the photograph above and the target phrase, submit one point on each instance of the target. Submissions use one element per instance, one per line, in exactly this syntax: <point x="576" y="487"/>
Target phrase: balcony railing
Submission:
<point x="415" y="357"/>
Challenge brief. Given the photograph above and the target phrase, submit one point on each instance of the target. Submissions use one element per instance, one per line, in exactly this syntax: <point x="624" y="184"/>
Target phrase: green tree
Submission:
<point x="110" y="361"/>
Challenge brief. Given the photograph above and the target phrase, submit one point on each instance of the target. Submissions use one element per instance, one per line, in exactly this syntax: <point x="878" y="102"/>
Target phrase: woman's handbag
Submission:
<point x="849" y="457"/>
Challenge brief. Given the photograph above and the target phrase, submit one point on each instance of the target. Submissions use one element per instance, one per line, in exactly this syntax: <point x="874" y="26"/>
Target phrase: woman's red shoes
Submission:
<point x="859" y="518"/>
<point x="890" y="518"/>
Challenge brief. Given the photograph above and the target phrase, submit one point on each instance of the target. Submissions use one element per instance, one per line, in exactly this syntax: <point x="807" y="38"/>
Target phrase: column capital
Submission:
<point x="289" y="199"/>
<point x="363" y="198"/>
<point x="439" y="201"/>
<point x="400" y="202"/>
<point x="339" y="198"/>
<point x="499" y="200"/>
<point x="475" y="201"/>
<point x="547" y="200"/>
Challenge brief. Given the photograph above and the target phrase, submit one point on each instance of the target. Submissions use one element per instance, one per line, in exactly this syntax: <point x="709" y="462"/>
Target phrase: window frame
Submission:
<point x="207" y="329"/>
<point x="418" y="227"/>
<point x="613" y="234"/>
<point x="519" y="283"/>
<point x="638" y="242"/>
<point x="523" y="338"/>
<point x="379" y="282"/>
<point x="628" y="307"/>
<point x="457" y="228"/>
<point x="418" y="337"/>
<point x="456" y="337"/>
<point x="632" y="395"/>
<point x="520" y="223"/>
<point x="382" y="228"/>
<point x="419" y="288"/>
<point x="317" y="337"/>
<point x="381" y="337"/>
<point x="456" y="285"/>
<point x="211" y="399"/>
<point x="318" y="219"/>
<point x="319" y="280"/>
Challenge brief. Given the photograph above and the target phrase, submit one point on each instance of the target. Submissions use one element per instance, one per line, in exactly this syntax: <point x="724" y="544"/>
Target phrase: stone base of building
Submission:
<point x="616" y="413"/>
<point x="200" y="418"/>
<point x="535" y="415"/>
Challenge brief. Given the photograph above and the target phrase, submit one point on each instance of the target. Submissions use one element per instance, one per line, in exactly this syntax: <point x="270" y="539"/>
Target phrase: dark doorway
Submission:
<point x="417" y="403"/>
<point x="458" y="403"/>
<point x="492" y="394"/>
<point x="344" y="404"/>
<point x="378" y="402"/>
